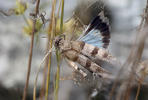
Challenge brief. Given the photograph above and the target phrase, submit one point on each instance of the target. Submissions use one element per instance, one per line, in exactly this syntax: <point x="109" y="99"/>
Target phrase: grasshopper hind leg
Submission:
<point x="79" y="74"/>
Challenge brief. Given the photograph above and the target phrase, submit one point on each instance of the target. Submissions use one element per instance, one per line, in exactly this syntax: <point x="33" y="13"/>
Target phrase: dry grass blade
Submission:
<point x="139" y="86"/>
<point x="62" y="15"/>
<point x="35" y="83"/>
<point x="136" y="59"/>
<point x="58" y="54"/>
<point x="29" y="64"/>
<point x="137" y="51"/>
<point x="56" y="89"/>
<point x="130" y="66"/>
<point x="50" y="39"/>
<point x="9" y="13"/>
<point x="31" y="51"/>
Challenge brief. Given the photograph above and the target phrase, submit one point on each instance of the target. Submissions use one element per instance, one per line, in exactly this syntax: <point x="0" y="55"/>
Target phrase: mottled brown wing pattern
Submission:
<point x="84" y="52"/>
<point x="76" y="52"/>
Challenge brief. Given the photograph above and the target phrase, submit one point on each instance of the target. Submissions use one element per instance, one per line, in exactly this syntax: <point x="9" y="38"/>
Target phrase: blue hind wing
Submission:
<point x="92" y="38"/>
<point x="97" y="33"/>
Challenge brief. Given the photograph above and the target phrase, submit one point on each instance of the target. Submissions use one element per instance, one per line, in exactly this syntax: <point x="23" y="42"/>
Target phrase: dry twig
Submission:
<point x="31" y="50"/>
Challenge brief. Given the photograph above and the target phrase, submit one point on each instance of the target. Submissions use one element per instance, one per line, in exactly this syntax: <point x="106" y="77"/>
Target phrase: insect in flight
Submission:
<point x="90" y="49"/>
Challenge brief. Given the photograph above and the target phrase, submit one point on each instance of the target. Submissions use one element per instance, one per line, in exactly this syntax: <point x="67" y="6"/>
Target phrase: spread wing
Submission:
<point x="98" y="32"/>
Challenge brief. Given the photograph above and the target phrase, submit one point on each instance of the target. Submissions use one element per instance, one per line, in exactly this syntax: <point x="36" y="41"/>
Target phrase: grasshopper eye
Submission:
<point x="58" y="41"/>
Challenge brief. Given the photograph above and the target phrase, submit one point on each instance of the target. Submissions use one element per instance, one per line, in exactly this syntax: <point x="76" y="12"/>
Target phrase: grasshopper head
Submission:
<point x="58" y="41"/>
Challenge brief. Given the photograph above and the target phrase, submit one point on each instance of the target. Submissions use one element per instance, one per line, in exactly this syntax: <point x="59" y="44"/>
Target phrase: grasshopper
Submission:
<point x="90" y="49"/>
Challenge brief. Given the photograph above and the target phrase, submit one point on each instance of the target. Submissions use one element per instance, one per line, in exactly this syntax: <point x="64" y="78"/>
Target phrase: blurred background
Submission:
<point x="124" y="16"/>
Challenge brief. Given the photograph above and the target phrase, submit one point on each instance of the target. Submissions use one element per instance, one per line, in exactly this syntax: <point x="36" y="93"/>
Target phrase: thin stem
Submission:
<point x="35" y="83"/>
<point x="135" y="55"/>
<point x="50" y="39"/>
<point x="29" y="62"/>
<point x="31" y="51"/>
<point x="138" y="90"/>
<point x="58" y="56"/>
<point x="48" y="77"/>
<point x="62" y="16"/>
<point x="57" y="76"/>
